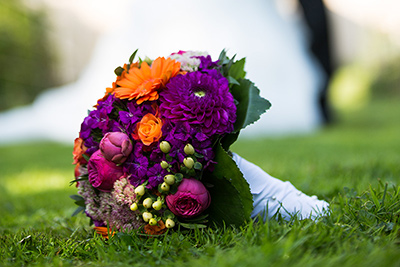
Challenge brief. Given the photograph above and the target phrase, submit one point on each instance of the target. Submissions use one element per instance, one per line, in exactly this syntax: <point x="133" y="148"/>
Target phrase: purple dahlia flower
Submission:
<point x="201" y="99"/>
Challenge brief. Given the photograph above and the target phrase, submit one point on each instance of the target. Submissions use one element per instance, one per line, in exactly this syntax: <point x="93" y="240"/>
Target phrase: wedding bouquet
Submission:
<point x="154" y="153"/>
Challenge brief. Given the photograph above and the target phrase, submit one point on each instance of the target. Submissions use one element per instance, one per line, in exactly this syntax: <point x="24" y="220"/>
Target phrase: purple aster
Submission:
<point x="200" y="99"/>
<point x="156" y="176"/>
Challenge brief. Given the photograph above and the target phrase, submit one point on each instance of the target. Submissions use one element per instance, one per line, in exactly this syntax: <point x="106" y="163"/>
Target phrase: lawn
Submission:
<point x="353" y="164"/>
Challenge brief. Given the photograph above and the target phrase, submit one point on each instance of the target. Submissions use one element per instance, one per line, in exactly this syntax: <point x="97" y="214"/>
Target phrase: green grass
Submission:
<point x="353" y="164"/>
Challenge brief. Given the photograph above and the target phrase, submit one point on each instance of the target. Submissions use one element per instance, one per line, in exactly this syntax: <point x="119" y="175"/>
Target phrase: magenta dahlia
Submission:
<point x="202" y="99"/>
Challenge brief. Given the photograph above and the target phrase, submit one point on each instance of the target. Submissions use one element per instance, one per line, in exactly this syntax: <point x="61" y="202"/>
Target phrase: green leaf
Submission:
<point x="232" y="80"/>
<point x="198" y="166"/>
<point x="251" y="104"/>
<point x="229" y="139"/>
<point x="178" y="177"/>
<point x="77" y="197"/>
<point x="237" y="70"/>
<point x="132" y="57"/>
<point x="192" y="225"/>
<point x="231" y="199"/>
<point x="118" y="71"/>
<point x="86" y="157"/>
<point x="78" y="210"/>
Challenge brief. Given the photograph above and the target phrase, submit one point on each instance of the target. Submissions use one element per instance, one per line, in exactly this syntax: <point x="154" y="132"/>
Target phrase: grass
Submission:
<point x="353" y="164"/>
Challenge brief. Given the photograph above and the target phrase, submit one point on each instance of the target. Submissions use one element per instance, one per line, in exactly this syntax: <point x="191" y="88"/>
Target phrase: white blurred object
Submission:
<point x="275" y="45"/>
<point x="272" y="196"/>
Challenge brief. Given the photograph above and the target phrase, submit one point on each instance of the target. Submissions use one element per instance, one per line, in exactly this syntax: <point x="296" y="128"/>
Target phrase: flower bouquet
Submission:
<point x="154" y="153"/>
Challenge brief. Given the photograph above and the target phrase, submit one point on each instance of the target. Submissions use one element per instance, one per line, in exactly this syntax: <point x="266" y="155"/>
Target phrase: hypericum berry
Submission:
<point x="147" y="216"/>
<point x="165" y="187"/>
<point x="188" y="149"/>
<point x="134" y="207"/>
<point x="157" y="205"/>
<point x="188" y="162"/>
<point x="147" y="203"/>
<point x="165" y="147"/>
<point x="169" y="223"/>
<point x="164" y="164"/>
<point x="153" y="222"/>
<point x="169" y="179"/>
<point x="140" y="190"/>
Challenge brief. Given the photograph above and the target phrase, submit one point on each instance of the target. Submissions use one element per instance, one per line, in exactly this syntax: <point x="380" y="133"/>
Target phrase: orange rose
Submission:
<point x="148" y="130"/>
<point x="79" y="150"/>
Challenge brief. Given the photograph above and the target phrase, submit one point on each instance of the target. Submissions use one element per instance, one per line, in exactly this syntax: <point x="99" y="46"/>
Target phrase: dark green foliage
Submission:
<point x="25" y="55"/>
<point x="233" y="204"/>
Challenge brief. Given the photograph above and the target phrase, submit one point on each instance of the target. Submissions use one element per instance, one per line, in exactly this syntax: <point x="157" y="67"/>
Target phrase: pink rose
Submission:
<point x="116" y="147"/>
<point x="103" y="173"/>
<point x="191" y="199"/>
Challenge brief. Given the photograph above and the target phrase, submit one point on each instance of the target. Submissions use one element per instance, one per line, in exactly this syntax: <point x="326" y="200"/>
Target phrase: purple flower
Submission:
<point x="136" y="166"/>
<point x="103" y="173"/>
<point x="191" y="199"/>
<point x="156" y="176"/>
<point x="116" y="147"/>
<point x="92" y="146"/>
<point x="106" y="104"/>
<point x="202" y="100"/>
<point x="207" y="63"/>
<point x="134" y="113"/>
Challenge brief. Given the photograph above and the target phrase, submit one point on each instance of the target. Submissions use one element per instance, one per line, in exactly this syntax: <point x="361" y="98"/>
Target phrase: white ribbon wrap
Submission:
<point x="271" y="195"/>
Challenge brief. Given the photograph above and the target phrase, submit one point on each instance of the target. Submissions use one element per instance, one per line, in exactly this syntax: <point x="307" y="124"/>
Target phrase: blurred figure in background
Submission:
<point x="316" y="18"/>
<point x="272" y="35"/>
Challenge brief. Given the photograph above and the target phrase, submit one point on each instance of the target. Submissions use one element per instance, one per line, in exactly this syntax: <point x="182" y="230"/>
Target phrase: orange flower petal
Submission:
<point x="143" y="83"/>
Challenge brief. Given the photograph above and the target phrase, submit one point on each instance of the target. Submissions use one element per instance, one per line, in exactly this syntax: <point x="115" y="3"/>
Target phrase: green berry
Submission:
<point x="147" y="203"/>
<point x="153" y="222"/>
<point x="164" y="164"/>
<point x="165" y="187"/>
<point x="188" y="149"/>
<point x="169" y="223"/>
<point x="169" y="179"/>
<point x="140" y="190"/>
<point x="147" y="216"/>
<point x="165" y="147"/>
<point x="188" y="162"/>
<point x="157" y="205"/>
<point x="134" y="207"/>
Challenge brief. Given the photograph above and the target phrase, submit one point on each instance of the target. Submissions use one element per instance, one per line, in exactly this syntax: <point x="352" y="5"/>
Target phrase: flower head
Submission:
<point x="191" y="199"/>
<point x="116" y="147"/>
<point x="148" y="130"/>
<point x="142" y="83"/>
<point x="103" y="173"/>
<point x="201" y="99"/>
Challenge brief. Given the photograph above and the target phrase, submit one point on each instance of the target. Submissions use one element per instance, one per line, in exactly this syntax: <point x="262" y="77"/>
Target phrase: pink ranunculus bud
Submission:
<point x="191" y="199"/>
<point x="103" y="173"/>
<point x="116" y="147"/>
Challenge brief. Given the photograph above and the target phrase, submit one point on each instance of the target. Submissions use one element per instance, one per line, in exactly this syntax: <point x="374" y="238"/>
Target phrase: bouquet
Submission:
<point x="153" y="154"/>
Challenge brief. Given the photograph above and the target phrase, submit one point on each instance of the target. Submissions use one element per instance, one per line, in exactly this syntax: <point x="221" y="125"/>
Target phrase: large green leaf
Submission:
<point x="231" y="199"/>
<point x="251" y="105"/>
<point x="236" y="71"/>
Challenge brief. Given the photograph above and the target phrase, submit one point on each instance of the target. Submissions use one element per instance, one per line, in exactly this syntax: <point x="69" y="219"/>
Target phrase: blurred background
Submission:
<point x="48" y="44"/>
<point x="57" y="58"/>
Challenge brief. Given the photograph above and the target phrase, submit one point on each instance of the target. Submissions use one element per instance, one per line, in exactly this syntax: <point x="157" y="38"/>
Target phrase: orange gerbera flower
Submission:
<point x="103" y="231"/>
<point x="142" y="83"/>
